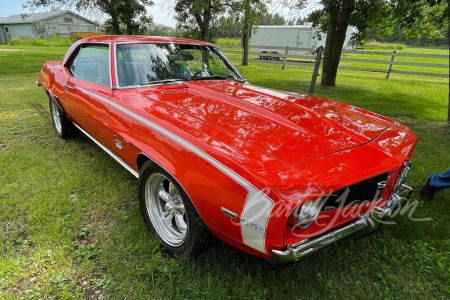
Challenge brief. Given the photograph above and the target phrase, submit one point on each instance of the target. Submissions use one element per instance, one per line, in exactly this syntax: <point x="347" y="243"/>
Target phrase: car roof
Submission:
<point x="139" y="38"/>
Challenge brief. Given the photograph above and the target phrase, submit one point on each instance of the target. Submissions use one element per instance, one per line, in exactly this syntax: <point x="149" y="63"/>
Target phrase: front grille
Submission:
<point x="363" y="191"/>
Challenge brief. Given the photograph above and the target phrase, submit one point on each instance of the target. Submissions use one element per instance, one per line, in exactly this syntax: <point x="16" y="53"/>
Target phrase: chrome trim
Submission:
<point x="369" y="221"/>
<point x="135" y="174"/>
<point x="402" y="178"/>
<point x="229" y="213"/>
<point x="395" y="201"/>
<point x="364" y="224"/>
<point x="109" y="61"/>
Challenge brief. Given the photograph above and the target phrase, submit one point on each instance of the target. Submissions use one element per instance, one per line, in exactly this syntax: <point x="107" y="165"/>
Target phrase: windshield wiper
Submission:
<point x="161" y="81"/>
<point x="209" y="77"/>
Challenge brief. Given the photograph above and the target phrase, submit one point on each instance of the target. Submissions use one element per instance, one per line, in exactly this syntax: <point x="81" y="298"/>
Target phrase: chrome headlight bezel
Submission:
<point x="309" y="211"/>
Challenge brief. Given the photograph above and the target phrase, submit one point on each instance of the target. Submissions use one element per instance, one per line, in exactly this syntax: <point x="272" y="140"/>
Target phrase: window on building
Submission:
<point x="6" y="29"/>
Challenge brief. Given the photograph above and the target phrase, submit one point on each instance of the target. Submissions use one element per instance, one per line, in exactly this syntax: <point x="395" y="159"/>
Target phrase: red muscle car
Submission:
<point x="276" y="174"/>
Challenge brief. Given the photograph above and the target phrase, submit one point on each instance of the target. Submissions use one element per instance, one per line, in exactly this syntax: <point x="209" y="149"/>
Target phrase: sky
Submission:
<point x="160" y="12"/>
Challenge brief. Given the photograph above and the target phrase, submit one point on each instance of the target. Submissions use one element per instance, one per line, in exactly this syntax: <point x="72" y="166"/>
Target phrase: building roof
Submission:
<point x="35" y="17"/>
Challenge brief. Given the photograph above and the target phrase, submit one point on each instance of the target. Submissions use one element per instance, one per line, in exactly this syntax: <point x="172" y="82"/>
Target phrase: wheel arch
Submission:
<point x="142" y="158"/>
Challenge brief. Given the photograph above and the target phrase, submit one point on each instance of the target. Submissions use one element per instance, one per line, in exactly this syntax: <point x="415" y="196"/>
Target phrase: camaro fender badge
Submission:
<point x="252" y="225"/>
<point x="243" y="221"/>
<point x="118" y="143"/>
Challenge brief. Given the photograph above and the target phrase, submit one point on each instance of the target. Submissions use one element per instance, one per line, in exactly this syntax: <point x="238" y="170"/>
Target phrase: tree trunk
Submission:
<point x="116" y="25"/>
<point x="204" y="27"/>
<point x="129" y="27"/>
<point x="245" y="31"/>
<point x="110" y="8"/>
<point x="245" y="44"/>
<point x="340" y="14"/>
<point x="205" y="33"/>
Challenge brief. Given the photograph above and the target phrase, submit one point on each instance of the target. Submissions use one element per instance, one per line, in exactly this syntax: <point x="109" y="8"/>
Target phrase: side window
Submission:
<point x="91" y="64"/>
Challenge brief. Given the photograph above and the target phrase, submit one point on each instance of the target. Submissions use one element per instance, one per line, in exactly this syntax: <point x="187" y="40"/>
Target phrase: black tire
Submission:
<point x="275" y="58"/>
<point x="197" y="236"/>
<point x="263" y="56"/>
<point x="61" y="123"/>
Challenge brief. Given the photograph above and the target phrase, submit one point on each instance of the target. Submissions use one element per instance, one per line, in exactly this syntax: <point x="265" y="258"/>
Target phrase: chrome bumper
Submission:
<point x="364" y="224"/>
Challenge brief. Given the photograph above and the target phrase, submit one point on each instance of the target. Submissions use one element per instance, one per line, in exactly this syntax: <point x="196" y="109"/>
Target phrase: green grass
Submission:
<point x="56" y="195"/>
<point x="51" y="41"/>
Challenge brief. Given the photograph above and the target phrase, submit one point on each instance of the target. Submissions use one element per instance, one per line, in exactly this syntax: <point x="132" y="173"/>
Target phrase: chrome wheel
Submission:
<point x="166" y="209"/>
<point x="56" y="116"/>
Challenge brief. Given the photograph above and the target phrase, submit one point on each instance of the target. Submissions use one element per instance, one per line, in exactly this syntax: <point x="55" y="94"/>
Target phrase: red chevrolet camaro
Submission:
<point x="276" y="174"/>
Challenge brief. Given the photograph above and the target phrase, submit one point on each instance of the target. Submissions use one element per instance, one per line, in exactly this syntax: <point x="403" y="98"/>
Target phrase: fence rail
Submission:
<point x="280" y="58"/>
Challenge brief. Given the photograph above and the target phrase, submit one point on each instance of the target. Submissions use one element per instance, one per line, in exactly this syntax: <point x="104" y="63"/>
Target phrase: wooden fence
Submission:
<point x="283" y="59"/>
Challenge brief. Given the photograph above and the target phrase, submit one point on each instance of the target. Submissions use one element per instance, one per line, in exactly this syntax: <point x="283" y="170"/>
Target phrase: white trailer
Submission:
<point x="274" y="39"/>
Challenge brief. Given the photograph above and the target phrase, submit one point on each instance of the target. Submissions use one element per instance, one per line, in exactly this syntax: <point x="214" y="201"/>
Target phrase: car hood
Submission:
<point x="290" y="127"/>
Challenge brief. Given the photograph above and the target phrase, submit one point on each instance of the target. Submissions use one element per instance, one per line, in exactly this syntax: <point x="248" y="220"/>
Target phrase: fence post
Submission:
<point x="390" y="65"/>
<point x="285" y="57"/>
<point x="316" y="71"/>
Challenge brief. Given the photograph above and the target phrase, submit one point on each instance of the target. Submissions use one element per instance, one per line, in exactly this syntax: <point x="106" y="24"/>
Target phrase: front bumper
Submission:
<point x="364" y="224"/>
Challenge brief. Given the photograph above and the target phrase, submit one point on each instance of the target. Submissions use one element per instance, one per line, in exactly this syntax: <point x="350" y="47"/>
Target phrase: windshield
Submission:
<point x="141" y="64"/>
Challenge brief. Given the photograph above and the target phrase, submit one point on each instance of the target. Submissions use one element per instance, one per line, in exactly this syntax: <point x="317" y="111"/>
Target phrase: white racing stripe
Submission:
<point x="257" y="205"/>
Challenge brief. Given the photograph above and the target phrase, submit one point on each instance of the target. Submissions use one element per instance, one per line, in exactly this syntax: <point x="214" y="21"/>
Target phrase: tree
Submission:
<point x="191" y="13"/>
<point x="251" y="9"/>
<point x="132" y="13"/>
<point x="419" y="17"/>
<point x="334" y="19"/>
<point x="231" y="26"/>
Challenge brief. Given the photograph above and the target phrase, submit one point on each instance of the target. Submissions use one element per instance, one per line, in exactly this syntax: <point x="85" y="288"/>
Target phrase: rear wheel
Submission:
<point x="168" y="212"/>
<point x="263" y="56"/>
<point x="275" y="58"/>
<point x="63" y="126"/>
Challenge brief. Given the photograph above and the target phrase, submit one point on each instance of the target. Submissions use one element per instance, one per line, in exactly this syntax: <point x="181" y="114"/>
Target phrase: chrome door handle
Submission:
<point x="68" y="87"/>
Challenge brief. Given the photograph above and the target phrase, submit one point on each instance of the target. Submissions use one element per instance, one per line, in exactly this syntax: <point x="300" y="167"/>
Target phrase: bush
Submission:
<point x="228" y="41"/>
<point x="51" y="41"/>
<point x="382" y="46"/>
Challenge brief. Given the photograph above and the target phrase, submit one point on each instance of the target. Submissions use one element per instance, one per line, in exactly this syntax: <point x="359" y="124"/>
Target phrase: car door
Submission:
<point x="88" y="90"/>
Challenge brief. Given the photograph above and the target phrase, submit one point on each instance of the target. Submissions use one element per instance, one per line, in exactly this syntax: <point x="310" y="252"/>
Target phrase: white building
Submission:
<point x="44" y="24"/>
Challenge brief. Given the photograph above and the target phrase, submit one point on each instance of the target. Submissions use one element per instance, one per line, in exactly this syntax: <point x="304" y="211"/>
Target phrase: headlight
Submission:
<point x="309" y="211"/>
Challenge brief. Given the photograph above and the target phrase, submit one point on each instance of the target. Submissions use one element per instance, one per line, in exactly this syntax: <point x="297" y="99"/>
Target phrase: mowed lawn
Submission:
<point x="70" y="226"/>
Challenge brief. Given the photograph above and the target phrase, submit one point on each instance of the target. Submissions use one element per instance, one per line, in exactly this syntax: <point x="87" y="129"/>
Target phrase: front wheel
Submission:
<point x="168" y="212"/>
